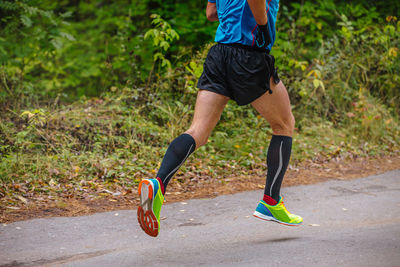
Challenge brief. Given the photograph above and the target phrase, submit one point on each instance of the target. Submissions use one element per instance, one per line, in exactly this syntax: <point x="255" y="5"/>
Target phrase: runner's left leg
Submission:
<point x="208" y="110"/>
<point x="275" y="108"/>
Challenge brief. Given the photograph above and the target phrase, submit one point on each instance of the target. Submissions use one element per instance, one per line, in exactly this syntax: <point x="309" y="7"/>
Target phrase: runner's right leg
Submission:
<point x="208" y="110"/>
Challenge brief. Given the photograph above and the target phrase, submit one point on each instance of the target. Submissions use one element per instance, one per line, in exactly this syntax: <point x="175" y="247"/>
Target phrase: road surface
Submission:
<point x="346" y="223"/>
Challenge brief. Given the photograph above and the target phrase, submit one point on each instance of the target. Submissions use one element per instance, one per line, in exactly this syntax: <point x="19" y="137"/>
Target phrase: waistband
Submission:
<point x="247" y="47"/>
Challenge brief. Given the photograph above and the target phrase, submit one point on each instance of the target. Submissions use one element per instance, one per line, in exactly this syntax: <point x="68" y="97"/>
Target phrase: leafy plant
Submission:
<point x="30" y="36"/>
<point x="162" y="35"/>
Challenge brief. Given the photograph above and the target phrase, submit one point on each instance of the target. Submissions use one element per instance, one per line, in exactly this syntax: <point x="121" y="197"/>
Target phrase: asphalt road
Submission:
<point x="346" y="223"/>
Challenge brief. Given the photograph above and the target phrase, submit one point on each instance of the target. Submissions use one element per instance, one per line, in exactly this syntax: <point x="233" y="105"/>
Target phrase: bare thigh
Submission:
<point x="275" y="108"/>
<point x="207" y="112"/>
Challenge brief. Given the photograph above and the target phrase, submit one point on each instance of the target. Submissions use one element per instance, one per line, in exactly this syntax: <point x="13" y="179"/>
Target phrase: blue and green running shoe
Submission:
<point x="151" y="200"/>
<point x="277" y="213"/>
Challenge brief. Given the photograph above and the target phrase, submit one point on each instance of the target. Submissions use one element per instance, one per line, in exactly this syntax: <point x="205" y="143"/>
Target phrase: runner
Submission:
<point x="238" y="67"/>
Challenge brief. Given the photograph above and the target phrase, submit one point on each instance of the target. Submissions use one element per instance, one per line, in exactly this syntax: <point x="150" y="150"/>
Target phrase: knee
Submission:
<point x="199" y="137"/>
<point x="285" y="126"/>
<point x="291" y="122"/>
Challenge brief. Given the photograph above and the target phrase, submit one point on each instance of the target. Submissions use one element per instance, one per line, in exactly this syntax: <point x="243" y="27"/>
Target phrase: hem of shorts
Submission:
<point x="252" y="99"/>
<point x="214" y="91"/>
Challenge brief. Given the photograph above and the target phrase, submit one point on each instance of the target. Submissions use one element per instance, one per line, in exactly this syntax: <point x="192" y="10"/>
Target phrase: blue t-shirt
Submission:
<point x="237" y="24"/>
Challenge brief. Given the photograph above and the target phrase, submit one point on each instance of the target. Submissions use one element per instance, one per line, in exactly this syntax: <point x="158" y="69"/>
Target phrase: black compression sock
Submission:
<point x="278" y="157"/>
<point x="177" y="152"/>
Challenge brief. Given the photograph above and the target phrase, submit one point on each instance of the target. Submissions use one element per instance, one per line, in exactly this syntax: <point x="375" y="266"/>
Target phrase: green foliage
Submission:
<point x="30" y="36"/>
<point x="44" y="55"/>
<point x="162" y="35"/>
<point x="74" y="49"/>
<point x="338" y="73"/>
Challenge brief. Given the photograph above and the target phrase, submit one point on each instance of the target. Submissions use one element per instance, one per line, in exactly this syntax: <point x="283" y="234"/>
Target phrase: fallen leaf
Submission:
<point x="54" y="171"/>
<point x="52" y="182"/>
<point x="13" y="208"/>
<point x="24" y="200"/>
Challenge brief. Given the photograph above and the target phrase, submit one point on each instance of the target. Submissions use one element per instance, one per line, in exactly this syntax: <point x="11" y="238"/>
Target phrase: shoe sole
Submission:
<point x="145" y="214"/>
<point x="269" y="218"/>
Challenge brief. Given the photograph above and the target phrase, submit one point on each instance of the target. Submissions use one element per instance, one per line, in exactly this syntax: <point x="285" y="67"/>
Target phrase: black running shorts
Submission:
<point x="238" y="72"/>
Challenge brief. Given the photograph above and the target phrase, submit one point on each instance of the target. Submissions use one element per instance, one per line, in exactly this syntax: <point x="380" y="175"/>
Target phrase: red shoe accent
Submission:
<point x="269" y="200"/>
<point x="148" y="222"/>
<point x="151" y="224"/>
<point x="140" y="216"/>
<point x="162" y="185"/>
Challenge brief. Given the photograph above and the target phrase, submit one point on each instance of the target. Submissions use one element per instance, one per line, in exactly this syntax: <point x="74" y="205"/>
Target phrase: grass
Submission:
<point x="98" y="146"/>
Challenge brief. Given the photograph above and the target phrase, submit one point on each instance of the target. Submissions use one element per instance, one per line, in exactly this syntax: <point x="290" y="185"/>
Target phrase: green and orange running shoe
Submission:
<point x="277" y="213"/>
<point x="151" y="200"/>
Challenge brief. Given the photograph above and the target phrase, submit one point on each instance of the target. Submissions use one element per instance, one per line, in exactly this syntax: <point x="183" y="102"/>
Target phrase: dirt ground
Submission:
<point x="205" y="187"/>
